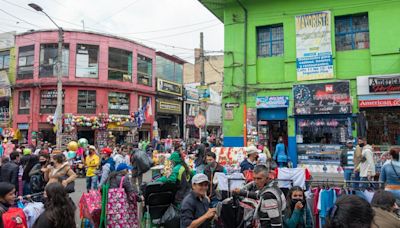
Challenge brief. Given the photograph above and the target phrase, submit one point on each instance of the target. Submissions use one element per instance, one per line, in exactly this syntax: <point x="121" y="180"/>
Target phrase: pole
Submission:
<point x="59" y="88"/>
<point x="203" y="82"/>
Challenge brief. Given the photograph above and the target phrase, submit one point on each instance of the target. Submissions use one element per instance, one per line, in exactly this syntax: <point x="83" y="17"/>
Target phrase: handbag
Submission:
<point x="391" y="163"/>
<point x="119" y="211"/>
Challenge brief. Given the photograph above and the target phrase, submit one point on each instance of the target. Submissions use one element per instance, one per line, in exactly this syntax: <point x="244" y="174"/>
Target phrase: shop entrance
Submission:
<point x="383" y="125"/>
<point x="269" y="132"/>
<point x="87" y="134"/>
<point x="48" y="135"/>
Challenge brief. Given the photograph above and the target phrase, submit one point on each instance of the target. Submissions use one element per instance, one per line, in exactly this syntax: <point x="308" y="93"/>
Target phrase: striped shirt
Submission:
<point x="350" y="158"/>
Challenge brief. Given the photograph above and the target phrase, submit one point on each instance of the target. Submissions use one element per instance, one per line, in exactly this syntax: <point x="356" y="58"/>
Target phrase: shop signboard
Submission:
<point x="379" y="103"/>
<point x="313" y="46"/>
<point x="204" y="93"/>
<point x="169" y="106"/>
<point x="169" y="87"/>
<point x="388" y="84"/>
<point x="272" y="102"/>
<point x="228" y="114"/>
<point x="322" y="98"/>
<point x="192" y="94"/>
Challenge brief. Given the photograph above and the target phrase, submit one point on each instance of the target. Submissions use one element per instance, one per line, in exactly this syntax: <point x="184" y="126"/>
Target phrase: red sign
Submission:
<point x="379" y="103"/>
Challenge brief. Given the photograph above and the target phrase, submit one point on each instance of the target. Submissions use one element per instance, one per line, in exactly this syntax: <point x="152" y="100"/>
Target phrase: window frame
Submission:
<point x="64" y="65"/>
<point x="352" y="30"/>
<point x="30" y="73"/>
<point x="143" y="74"/>
<point x="129" y="63"/>
<point x="24" y="110"/>
<point x="4" y="55"/>
<point x="270" y="41"/>
<point x="119" y="110"/>
<point x="50" y="110"/>
<point x="88" y="46"/>
<point x="86" y="110"/>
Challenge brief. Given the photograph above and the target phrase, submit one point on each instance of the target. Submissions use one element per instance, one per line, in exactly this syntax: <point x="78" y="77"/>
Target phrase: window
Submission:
<point x="270" y="41"/>
<point x="4" y="110"/>
<point x="25" y="62"/>
<point x="24" y="102"/>
<point x="48" y="60"/>
<point x="169" y="70"/>
<point x="144" y="70"/>
<point x="87" y="101"/>
<point x="48" y="101"/>
<point x="119" y="65"/>
<point x="143" y="101"/>
<point x="118" y="103"/>
<point x="351" y="32"/>
<point x="87" y="61"/>
<point x="192" y="109"/>
<point x="4" y="60"/>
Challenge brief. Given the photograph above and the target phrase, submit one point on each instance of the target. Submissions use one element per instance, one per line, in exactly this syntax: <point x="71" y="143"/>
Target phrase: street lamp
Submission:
<point x="58" y="113"/>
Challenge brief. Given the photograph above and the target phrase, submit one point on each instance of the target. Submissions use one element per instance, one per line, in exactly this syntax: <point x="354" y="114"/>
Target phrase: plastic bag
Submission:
<point x="170" y="214"/>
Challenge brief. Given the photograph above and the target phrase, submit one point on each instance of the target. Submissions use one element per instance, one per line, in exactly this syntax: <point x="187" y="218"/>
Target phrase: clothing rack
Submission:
<point x="345" y="183"/>
<point x="30" y="196"/>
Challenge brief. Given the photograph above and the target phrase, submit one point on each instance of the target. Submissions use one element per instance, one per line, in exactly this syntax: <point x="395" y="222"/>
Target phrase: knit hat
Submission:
<point x="27" y="151"/>
<point x="123" y="166"/>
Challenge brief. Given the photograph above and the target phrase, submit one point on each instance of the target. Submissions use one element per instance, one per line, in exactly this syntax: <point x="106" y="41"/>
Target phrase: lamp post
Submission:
<point x="58" y="113"/>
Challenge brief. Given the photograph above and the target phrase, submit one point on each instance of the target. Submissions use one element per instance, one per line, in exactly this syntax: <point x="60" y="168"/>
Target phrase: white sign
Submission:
<point x="7" y="40"/>
<point x="313" y="46"/>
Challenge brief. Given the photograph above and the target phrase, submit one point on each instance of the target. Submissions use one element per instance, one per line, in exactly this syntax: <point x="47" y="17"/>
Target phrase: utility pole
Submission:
<point x="203" y="82"/>
<point x="58" y="114"/>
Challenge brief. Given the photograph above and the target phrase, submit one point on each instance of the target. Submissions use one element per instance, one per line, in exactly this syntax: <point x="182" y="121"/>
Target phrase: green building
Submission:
<point x="316" y="73"/>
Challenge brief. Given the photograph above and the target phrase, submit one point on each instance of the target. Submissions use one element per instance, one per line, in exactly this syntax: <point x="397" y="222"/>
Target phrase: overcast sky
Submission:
<point x="160" y="24"/>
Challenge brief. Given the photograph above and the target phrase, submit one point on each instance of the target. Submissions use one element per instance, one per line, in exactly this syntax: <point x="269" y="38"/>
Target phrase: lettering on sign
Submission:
<point x="169" y="87"/>
<point x="379" y="103"/>
<point x="384" y="84"/>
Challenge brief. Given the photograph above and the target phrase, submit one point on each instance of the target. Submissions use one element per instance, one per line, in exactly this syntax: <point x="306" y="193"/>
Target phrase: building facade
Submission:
<point x="169" y="110"/>
<point x="108" y="82"/>
<point x="313" y="73"/>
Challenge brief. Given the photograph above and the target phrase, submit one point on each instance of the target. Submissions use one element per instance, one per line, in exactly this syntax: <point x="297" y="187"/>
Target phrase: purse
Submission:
<point x="391" y="163"/>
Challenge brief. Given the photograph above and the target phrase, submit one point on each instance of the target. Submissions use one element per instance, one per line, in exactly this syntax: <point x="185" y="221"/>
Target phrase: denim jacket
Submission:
<point x="388" y="174"/>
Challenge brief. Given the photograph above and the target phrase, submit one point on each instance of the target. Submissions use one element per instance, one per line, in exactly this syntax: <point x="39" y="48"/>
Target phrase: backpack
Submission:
<point x="14" y="218"/>
<point x="37" y="183"/>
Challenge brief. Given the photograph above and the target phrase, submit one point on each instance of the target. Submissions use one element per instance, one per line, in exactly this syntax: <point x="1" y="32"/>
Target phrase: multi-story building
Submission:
<point x="108" y="82"/>
<point x="7" y="78"/>
<point x="169" y="100"/>
<point x="314" y="73"/>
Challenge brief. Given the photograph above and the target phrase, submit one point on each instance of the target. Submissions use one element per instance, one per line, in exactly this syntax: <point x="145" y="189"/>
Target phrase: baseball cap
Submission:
<point x="92" y="147"/>
<point x="252" y="150"/>
<point x="123" y="166"/>
<point x="200" y="178"/>
<point x="106" y="150"/>
<point x="349" y="141"/>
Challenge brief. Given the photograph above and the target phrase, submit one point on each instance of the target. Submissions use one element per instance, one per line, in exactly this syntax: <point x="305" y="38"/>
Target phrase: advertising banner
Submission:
<point x="272" y="102"/>
<point x="322" y="98"/>
<point x="313" y="46"/>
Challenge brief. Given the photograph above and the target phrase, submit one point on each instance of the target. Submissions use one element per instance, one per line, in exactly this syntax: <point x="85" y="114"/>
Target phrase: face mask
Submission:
<point x="42" y="162"/>
<point x="361" y="144"/>
<point x="294" y="201"/>
<point x="52" y="163"/>
<point x="210" y="163"/>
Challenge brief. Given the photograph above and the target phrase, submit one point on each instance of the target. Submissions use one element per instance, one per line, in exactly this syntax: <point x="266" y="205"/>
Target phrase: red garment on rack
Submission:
<point x="315" y="203"/>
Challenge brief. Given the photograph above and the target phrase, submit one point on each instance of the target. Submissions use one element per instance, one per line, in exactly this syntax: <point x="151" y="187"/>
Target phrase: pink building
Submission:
<point x="106" y="80"/>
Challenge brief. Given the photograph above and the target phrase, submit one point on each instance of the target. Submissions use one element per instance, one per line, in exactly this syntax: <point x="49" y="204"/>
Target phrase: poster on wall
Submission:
<point x="251" y="121"/>
<point x="322" y="98"/>
<point x="313" y="46"/>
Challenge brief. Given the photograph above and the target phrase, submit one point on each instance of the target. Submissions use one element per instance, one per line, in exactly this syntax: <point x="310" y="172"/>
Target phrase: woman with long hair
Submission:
<point x="298" y="215"/>
<point x="59" y="210"/>
<point x="59" y="168"/>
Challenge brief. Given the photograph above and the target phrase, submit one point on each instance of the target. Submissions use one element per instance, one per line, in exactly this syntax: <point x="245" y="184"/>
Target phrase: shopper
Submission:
<point x="7" y="197"/>
<point x="347" y="160"/>
<point x="59" y="209"/>
<point x="357" y="160"/>
<point x="180" y="175"/>
<point x="272" y="200"/>
<point x="351" y="211"/>
<point x="251" y="160"/>
<point x="213" y="167"/>
<point x="297" y="214"/>
<point x="59" y="169"/>
<point x="384" y="205"/>
<point x="367" y="164"/>
<point x="195" y="211"/>
<point x="9" y="170"/>
<point x="36" y="175"/>
<point x="199" y="162"/>
<point x="107" y="165"/>
<point x="29" y="164"/>
<point x="92" y="162"/>
<point x="390" y="173"/>
<point x="280" y="155"/>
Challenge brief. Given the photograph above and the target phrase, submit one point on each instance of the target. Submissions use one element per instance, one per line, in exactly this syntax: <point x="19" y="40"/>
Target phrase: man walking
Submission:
<point x="367" y="165"/>
<point x="92" y="162"/>
<point x="347" y="160"/>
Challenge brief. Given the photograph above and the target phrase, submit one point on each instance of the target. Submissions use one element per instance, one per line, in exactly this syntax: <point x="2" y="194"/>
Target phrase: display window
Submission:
<point x="383" y="126"/>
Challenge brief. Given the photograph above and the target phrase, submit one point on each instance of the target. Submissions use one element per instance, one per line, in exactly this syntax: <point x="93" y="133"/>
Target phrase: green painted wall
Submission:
<point x="276" y="75"/>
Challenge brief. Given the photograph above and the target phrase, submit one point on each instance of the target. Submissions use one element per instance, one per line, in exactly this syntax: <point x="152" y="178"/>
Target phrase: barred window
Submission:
<point x="351" y="32"/>
<point x="270" y="40"/>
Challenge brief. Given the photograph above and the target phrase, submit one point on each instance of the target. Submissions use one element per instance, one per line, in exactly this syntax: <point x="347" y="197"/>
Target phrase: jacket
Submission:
<point x="54" y="174"/>
<point x="210" y="174"/>
<point x="280" y="153"/>
<point x="43" y="222"/>
<point x="357" y="157"/>
<point x="390" y="173"/>
<point x="299" y="219"/>
<point x="367" y="168"/>
<point x="130" y="190"/>
<point x="107" y="168"/>
<point x="246" y="165"/>
<point x="178" y="176"/>
<point x="9" y="173"/>
<point x="3" y="208"/>
<point x="385" y="219"/>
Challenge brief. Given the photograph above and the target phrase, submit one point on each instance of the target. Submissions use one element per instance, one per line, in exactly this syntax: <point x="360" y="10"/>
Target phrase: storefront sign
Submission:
<point x="23" y="126"/>
<point x="232" y="105"/>
<point x="169" y="106"/>
<point x="204" y="93"/>
<point x="200" y="121"/>
<point x="322" y="98"/>
<point x="313" y="46"/>
<point x="384" y="84"/>
<point x="272" y="102"/>
<point x="192" y="94"/>
<point x="228" y="114"/>
<point x="379" y="103"/>
<point x="169" y="87"/>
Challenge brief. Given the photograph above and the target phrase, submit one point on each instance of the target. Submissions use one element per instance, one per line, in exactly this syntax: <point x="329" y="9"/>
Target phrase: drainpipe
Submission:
<point x="245" y="74"/>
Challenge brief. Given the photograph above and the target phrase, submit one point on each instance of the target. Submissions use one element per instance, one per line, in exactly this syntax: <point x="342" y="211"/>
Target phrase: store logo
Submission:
<point x="329" y="88"/>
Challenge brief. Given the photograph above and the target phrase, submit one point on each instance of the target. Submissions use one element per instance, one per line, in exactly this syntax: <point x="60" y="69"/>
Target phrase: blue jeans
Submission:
<point x="356" y="178"/>
<point x="347" y="174"/>
<point x="91" y="183"/>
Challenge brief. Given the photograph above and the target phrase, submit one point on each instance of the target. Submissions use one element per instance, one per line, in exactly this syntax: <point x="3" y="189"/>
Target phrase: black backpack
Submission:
<point x="37" y="182"/>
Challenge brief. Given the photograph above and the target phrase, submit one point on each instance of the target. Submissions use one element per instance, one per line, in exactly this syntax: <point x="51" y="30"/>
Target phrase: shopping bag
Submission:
<point x="104" y="199"/>
<point x="90" y="206"/>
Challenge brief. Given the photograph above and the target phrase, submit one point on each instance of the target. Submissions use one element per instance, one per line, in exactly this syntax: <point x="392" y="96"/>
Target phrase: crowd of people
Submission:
<point x="47" y="175"/>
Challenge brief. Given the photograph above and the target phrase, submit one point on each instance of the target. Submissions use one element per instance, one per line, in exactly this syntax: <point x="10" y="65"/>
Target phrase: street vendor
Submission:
<point x="272" y="199"/>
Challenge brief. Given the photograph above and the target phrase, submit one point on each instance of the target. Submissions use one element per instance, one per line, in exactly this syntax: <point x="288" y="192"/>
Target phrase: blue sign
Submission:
<point x="272" y="102"/>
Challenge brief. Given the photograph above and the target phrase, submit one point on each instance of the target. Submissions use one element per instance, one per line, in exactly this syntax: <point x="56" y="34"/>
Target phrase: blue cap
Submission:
<point x="123" y="166"/>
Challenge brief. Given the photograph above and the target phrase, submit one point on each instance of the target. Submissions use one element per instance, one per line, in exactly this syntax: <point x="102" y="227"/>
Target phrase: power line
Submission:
<point x="11" y="15"/>
<point x="168" y="29"/>
<point x="182" y="33"/>
<point x="117" y="12"/>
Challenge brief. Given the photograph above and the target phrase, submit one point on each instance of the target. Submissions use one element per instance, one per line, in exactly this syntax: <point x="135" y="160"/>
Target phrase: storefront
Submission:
<point x="87" y="133"/>
<point x="192" y="108"/>
<point x="169" y="114"/>
<point x="270" y="120"/>
<point x="379" y="103"/>
<point x="323" y="124"/>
